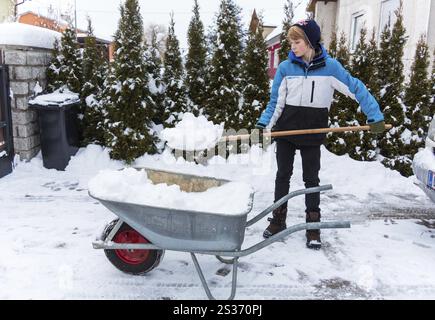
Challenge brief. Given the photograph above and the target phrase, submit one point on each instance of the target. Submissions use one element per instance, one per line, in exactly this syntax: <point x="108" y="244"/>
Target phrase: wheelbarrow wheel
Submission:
<point x="136" y="262"/>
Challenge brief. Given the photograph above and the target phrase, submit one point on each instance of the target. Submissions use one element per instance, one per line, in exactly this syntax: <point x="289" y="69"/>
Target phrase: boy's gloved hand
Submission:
<point x="377" y="127"/>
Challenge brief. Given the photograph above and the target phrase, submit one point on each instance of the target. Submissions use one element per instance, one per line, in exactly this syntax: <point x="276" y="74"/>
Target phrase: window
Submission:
<point x="387" y="13"/>
<point x="358" y="21"/>
<point x="276" y="59"/>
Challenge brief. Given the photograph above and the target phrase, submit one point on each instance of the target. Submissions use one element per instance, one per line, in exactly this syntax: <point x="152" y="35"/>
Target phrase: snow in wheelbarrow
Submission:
<point x="177" y="211"/>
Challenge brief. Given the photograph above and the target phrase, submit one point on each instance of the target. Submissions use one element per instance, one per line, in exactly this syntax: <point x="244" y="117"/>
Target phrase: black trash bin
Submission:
<point x="58" y="131"/>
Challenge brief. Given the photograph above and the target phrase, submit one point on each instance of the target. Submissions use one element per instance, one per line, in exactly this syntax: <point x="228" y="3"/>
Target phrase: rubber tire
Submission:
<point x="153" y="260"/>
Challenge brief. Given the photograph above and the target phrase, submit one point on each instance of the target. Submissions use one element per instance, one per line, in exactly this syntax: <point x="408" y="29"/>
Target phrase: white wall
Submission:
<point x="431" y="35"/>
<point x="419" y="17"/>
<point x="325" y="17"/>
<point x="416" y="18"/>
<point x="6" y="10"/>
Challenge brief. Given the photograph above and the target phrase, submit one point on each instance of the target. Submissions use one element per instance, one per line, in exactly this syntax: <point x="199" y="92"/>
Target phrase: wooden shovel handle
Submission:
<point x="299" y="132"/>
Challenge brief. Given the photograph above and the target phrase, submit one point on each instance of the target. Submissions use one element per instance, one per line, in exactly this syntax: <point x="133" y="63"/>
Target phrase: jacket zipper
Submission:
<point x="312" y="91"/>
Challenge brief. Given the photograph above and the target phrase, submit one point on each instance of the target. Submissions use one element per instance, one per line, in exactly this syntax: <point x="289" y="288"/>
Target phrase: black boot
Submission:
<point x="313" y="236"/>
<point x="277" y="223"/>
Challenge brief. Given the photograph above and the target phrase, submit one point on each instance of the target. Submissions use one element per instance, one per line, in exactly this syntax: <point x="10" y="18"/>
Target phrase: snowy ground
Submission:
<point x="49" y="222"/>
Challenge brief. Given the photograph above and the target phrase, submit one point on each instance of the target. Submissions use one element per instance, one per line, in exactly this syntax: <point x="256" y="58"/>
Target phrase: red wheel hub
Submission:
<point x="131" y="256"/>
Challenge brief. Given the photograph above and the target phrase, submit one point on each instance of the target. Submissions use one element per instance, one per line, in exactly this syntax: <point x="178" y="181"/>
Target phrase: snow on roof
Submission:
<point x="274" y="33"/>
<point x="19" y="34"/>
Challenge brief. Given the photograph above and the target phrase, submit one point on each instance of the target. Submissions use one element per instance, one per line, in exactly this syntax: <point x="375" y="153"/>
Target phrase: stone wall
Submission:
<point x="27" y="67"/>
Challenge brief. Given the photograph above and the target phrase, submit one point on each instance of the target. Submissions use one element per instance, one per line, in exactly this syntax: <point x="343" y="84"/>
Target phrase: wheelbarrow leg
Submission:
<point x="204" y="282"/>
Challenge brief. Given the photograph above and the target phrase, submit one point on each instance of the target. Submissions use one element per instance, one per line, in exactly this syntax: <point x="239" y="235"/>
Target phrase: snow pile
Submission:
<point x="425" y="159"/>
<point x="133" y="186"/>
<point x="87" y="162"/>
<point x="193" y="133"/>
<point x="19" y="34"/>
<point x="59" y="97"/>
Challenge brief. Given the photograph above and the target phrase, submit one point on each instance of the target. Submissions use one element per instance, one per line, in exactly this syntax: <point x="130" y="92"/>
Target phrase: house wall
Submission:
<point x="27" y="67"/>
<point x="419" y="18"/>
<point x="6" y="10"/>
<point x="326" y="13"/>
<point x="273" y="59"/>
<point x="431" y="33"/>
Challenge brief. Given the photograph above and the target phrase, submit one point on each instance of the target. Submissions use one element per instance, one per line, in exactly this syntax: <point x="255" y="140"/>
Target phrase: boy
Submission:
<point x="301" y="97"/>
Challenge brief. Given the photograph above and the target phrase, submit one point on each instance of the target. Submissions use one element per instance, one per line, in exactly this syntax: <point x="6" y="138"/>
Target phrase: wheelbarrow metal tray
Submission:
<point x="184" y="230"/>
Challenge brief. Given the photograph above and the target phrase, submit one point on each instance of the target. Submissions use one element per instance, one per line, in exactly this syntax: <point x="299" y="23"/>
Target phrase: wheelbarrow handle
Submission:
<point x="284" y="199"/>
<point x="275" y="134"/>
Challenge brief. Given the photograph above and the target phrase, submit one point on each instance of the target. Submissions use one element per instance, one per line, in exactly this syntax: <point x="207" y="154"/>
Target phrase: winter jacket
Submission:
<point x="302" y="95"/>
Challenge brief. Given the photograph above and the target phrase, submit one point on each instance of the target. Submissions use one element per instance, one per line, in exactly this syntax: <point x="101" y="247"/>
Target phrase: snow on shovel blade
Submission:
<point x="193" y="134"/>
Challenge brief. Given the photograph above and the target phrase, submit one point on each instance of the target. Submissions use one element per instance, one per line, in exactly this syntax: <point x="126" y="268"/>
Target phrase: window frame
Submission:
<point x="276" y="58"/>
<point x="355" y="16"/>
<point x="382" y="23"/>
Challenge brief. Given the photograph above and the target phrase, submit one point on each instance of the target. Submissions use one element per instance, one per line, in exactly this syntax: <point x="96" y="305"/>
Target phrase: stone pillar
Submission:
<point x="27" y="68"/>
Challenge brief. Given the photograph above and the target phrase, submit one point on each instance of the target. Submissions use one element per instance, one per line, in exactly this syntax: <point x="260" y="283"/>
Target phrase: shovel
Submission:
<point x="299" y="132"/>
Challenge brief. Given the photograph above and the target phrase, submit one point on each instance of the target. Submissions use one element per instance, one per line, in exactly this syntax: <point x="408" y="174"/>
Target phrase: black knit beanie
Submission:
<point x="311" y="30"/>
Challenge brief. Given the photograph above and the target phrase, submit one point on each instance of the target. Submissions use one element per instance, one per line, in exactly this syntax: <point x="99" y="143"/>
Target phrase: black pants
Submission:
<point x="285" y="155"/>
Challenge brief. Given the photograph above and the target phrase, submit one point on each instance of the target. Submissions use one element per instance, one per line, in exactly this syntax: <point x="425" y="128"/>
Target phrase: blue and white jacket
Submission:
<point x="302" y="95"/>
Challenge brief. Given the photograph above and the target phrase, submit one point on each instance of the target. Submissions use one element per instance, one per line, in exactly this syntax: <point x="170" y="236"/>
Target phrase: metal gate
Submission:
<point x="6" y="138"/>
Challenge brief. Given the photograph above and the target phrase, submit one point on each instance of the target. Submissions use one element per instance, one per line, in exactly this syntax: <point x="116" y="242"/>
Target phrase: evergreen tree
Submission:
<point x="154" y="67"/>
<point x="93" y="63"/>
<point x="286" y="24"/>
<point x="384" y="68"/>
<point x="196" y="62"/>
<point x="52" y="73"/>
<point x="255" y="78"/>
<point x="371" y="79"/>
<point x="431" y="110"/>
<point x="65" y="68"/>
<point x="94" y="74"/>
<point x="362" y="145"/>
<point x="175" y="102"/>
<point x="71" y="73"/>
<point x="417" y="99"/>
<point x="341" y="115"/>
<point x="332" y="51"/>
<point x="365" y="60"/>
<point x="225" y="84"/>
<point x="126" y="98"/>
<point x="391" y="83"/>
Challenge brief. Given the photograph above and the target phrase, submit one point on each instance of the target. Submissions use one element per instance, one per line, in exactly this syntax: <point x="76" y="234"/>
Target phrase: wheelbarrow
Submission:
<point x="135" y="243"/>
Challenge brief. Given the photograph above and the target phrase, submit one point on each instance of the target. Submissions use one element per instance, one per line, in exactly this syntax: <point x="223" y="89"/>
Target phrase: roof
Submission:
<point x="60" y="22"/>
<point x="311" y="7"/>
<point x="81" y="36"/>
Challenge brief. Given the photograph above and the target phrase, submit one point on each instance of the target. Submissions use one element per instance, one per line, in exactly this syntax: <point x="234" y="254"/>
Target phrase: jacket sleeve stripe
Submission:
<point x="344" y="89"/>
<point x="270" y="109"/>
<point x="280" y="104"/>
<point x="355" y="89"/>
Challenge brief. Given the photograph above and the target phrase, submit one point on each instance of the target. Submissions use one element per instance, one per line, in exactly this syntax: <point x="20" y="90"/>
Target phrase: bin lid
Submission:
<point x="58" y="99"/>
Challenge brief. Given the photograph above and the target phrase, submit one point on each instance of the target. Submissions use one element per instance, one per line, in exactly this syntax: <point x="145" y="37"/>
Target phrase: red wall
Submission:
<point x="272" y="49"/>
